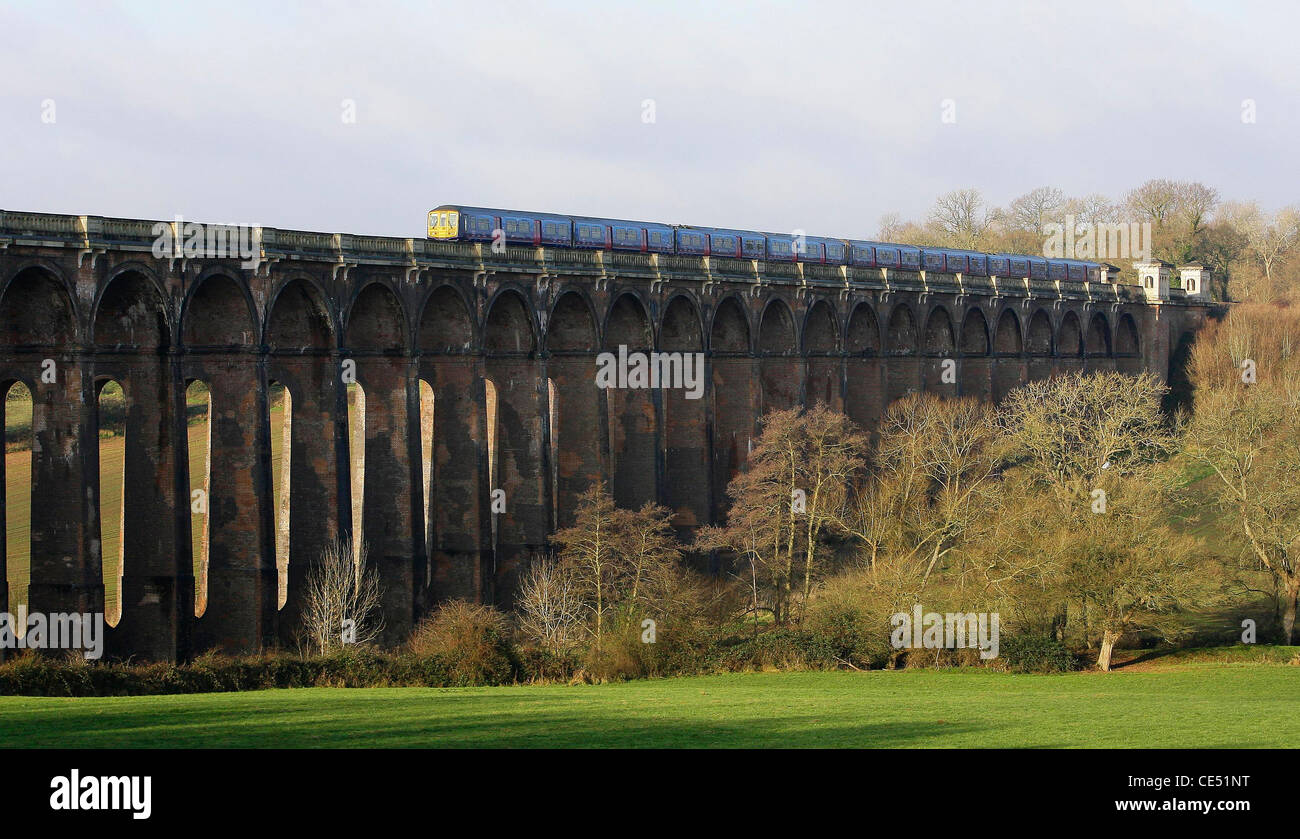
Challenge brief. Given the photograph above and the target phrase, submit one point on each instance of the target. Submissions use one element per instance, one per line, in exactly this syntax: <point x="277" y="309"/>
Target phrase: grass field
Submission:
<point x="1200" y="705"/>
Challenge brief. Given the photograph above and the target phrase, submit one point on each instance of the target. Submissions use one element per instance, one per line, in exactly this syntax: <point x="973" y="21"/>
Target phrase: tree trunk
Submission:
<point x="1108" y="640"/>
<point x="1288" y="612"/>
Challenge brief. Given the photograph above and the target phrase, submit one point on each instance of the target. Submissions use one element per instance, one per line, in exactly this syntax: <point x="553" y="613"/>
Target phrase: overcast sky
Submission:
<point x="766" y="116"/>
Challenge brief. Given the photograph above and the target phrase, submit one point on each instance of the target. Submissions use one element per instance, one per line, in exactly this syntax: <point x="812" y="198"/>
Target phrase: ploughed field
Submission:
<point x="1197" y="701"/>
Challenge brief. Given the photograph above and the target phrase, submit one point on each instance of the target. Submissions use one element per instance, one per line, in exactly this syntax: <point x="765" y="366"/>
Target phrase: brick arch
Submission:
<point x="863" y="334"/>
<point x="299" y="318"/>
<point x="36" y="310"/>
<point x="1127" y="338"/>
<point x="131" y="312"/>
<point x="729" y="330"/>
<point x="939" y="337"/>
<point x="1069" y="337"/>
<point x="901" y="332"/>
<point x="1097" y="338"/>
<point x="820" y="330"/>
<point x="571" y="325"/>
<point x="681" y="326"/>
<point x="445" y="323"/>
<point x="376" y="320"/>
<point x="632" y="429"/>
<point x="218" y="312"/>
<point x="1007" y="340"/>
<point x="776" y="333"/>
<point x="686" y="430"/>
<point x="628" y="323"/>
<point x="975" y="333"/>
<point x="1181" y="394"/>
<point x="509" y="327"/>
<point x="1039" y="338"/>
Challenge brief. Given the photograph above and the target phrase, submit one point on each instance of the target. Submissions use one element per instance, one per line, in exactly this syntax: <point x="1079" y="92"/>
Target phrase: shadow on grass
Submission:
<point x="468" y="722"/>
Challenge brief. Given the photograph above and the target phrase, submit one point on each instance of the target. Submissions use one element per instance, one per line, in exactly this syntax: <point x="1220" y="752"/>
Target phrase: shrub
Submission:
<point x="539" y="664"/>
<point x="1036" y="653"/>
<point x="852" y="636"/>
<point x="471" y="641"/>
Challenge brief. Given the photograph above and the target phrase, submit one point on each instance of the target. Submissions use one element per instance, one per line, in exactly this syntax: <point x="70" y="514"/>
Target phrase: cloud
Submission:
<point x="774" y="116"/>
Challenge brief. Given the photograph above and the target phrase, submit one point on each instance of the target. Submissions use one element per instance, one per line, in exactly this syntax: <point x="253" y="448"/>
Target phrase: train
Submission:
<point x="456" y="222"/>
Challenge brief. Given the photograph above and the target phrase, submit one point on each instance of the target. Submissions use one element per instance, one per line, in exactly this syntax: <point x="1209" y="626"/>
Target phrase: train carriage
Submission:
<point x="889" y="256"/>
<point x="862" y="254"/>
<point x="977" y="264"/>
<point x="692" y="241"/>
<point x="781" y="248"/>
<point x="481" y="224"/>
<point x="819" y="249"/>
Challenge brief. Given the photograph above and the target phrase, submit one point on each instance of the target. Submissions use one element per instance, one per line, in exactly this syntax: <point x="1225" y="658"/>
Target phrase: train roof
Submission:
<point x="499" y="211"/>
<point x="728" y="231"/>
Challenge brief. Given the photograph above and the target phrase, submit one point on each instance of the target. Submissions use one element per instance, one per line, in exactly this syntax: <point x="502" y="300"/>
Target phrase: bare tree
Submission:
<point x="1091" y="209"/>
<point x="1247" y="376"/>
<point x="961" y="217"/>
<point x="651" y="554"/>
<point x="342" y="599"/>
<point x="1035" y="208"/>
<point x="1248" y="439"/>
<point x="589" y="553"/>
<point x="890" y="227"/>
<point x="1074" y="431"/>
<point x="1155" y="201"/>
<point x="1195" y="203"/>
<point x="793" y="491"/>
<point x="934" y="483"/>
<point x="550" y="611"/>
<point x="1271" y="239"/>
<point x="1129" y="572"/>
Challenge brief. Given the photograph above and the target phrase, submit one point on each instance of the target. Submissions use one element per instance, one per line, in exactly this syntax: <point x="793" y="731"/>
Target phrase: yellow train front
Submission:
<point x="443" y="223"/>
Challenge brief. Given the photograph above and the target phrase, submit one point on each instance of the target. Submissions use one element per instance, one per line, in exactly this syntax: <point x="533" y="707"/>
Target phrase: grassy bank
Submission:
<point x="1200" y="704"/>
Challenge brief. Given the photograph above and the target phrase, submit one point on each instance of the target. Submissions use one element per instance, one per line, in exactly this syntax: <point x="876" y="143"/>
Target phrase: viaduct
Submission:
<point x="477" y="369"/>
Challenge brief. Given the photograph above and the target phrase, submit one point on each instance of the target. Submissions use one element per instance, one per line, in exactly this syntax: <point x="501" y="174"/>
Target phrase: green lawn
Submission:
<point x="1193" y="705"/>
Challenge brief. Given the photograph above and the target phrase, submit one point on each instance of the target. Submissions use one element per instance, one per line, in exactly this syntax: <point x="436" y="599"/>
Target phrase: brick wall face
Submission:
<point x="507" y="356"/>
